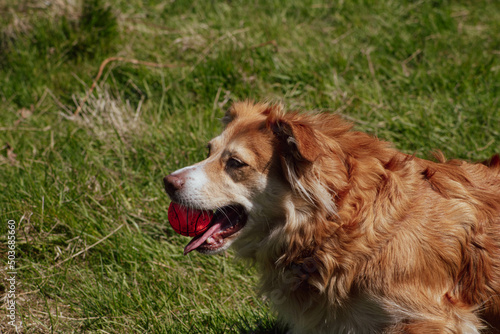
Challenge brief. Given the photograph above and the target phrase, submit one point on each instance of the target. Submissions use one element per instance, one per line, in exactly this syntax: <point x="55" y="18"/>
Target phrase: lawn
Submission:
<point x="83" y="151"/>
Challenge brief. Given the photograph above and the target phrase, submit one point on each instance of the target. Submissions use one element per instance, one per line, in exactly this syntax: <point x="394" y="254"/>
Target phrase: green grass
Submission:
<point x="423" y="74"/>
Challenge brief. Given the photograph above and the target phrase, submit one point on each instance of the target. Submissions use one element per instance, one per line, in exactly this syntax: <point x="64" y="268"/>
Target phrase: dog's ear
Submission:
<point x="296" y="138"/>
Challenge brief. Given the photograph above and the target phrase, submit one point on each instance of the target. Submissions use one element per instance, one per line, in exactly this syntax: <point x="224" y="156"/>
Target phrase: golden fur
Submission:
<point x="351" y="235"/>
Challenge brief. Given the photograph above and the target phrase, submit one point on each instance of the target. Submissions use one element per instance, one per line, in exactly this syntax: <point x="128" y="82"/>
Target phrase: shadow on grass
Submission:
<point x="265" y="327"/>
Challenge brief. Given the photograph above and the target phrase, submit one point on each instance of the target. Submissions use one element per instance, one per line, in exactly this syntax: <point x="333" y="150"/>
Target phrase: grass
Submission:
<point x="94" y="249"/>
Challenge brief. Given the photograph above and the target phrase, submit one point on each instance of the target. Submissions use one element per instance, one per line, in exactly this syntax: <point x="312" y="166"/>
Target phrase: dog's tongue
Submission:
<point x="199" y="239"/>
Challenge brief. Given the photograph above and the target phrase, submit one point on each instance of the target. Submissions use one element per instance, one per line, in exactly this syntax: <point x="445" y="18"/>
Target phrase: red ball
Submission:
<point x="188" y="222"/>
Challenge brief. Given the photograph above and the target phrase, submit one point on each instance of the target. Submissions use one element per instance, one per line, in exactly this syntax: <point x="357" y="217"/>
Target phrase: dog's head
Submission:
<point x="256" y="169"/>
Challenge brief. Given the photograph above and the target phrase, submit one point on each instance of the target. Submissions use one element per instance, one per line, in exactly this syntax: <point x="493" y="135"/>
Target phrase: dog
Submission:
<point x="349" y="234"/>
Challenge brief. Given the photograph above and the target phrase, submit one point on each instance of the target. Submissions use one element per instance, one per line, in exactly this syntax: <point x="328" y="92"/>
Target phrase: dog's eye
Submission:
<point x="235" y="163"/>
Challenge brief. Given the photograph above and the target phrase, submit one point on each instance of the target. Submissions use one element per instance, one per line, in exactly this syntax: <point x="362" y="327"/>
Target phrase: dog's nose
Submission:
<point x="173" y="183"/>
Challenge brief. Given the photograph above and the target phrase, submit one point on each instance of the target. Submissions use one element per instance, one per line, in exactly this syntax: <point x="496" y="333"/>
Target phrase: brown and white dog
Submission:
<point x="350" y="235"/>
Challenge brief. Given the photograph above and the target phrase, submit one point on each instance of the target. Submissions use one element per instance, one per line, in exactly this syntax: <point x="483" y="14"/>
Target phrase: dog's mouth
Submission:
<point x="225" y="222"/>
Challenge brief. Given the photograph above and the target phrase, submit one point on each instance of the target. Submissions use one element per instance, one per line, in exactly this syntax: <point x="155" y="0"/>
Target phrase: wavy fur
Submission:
<point x="412" y="243"/>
